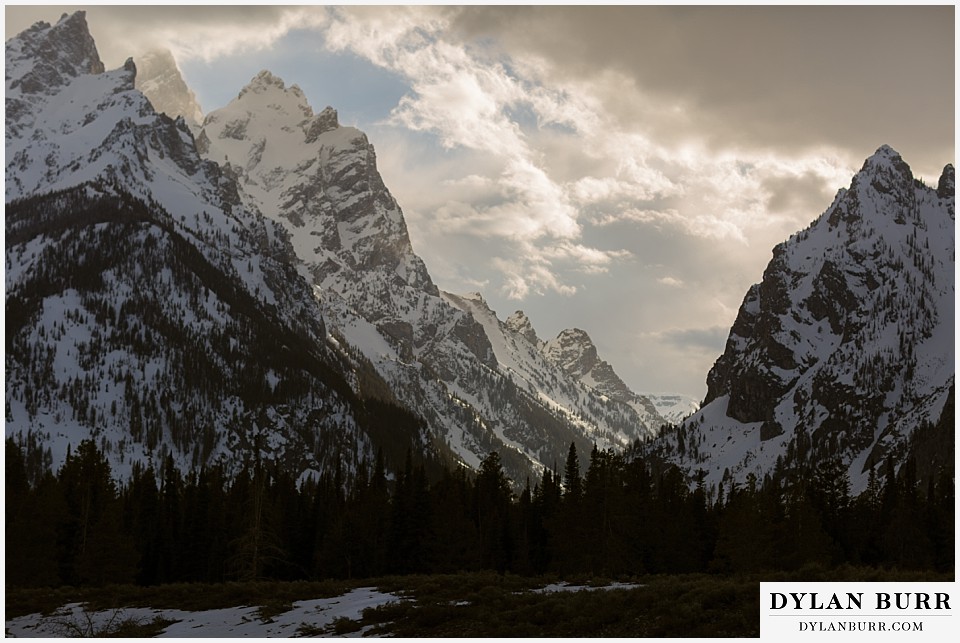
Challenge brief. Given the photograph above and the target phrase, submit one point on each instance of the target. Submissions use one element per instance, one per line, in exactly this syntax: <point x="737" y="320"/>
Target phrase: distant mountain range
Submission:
<point x="242" y="285"/>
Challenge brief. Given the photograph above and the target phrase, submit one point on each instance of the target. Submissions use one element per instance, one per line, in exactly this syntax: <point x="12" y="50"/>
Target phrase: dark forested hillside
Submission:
<point x="118" y="322"/>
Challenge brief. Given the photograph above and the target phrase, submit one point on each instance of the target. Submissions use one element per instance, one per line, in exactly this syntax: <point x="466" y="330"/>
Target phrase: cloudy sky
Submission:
<point x="625" y="170"/>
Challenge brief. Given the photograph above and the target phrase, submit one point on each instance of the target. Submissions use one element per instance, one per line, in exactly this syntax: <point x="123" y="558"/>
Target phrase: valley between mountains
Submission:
<point x="237" y="401"/>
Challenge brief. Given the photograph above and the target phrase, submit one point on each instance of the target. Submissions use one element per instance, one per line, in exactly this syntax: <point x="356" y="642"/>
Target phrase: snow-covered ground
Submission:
<point x="565" y="587"/>
<point x="316" y="617"/>
<point x="308" y="617"/>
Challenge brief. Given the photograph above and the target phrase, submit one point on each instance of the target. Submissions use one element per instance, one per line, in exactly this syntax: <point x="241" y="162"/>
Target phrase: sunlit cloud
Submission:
<point x="471" y="102"/>
<point x="531" y="275"/>
<point x="199" y="33"/>
<point x="563" y="161"/>
<point x="585" y="259"/>
<point x="700" y="225"/>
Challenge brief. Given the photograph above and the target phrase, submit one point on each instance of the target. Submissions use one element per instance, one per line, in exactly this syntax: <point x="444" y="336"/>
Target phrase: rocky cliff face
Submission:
<point x="846" y="345"/>
<point x="41" y="61"/>
<point x="159" y="78"/>
<point x="576" y="354"/>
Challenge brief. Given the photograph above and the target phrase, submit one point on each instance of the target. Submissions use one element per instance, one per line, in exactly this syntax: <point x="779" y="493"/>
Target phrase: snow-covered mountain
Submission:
<point x="159" y="78"/>
<point x="674" y="407"/>
<point x="147" y="307"/>
<point x="443" y="355"/>
<point x="246" y="287"/>
<point x="847" y="344"/>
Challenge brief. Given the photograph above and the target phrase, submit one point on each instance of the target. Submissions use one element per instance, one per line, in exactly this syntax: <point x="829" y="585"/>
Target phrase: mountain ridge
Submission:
<point x="289" y="204"/>
<point x="846" y="345"/>
<point x="150" y="310"/>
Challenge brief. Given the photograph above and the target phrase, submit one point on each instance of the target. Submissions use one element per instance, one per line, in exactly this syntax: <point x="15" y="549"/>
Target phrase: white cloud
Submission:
<point x="471" y="102"/>
<point x="204" y="33"/>
<point x="529" y="275"/>
<point x="700" y="225"/>
<point x="671" y="281"/>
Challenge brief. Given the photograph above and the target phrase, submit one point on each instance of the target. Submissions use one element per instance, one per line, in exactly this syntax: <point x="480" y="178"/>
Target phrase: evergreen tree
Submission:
<point x="411" y="538"/>
<point x="570" y="539"/>
<point x="95" y="551"/>
<point x="142" y="520"/>
<point x="457" y="540"/>
<point x="170" y="542"/>
<point x="493" y="498"/>
<point x="743" y="538"/>
<point x="32" y="518"/>
<point x="366" y="520"/>
<point x="257" y="545"/>
<point x="573" y="484"/>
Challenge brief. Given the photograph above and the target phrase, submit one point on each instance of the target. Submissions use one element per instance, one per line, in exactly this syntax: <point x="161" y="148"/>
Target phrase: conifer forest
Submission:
<point x="622" y="516"/>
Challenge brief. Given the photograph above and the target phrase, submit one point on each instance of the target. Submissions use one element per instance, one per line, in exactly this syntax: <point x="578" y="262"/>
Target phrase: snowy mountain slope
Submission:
<point x="146" y="307"/>
<point x="617" y="419"/>
<point x="575" y="353"/>
<point x="674" y="407"/>
<point x="247" y="292"/>
<point x="847" y="344"/>
<point x="438" y="354"/>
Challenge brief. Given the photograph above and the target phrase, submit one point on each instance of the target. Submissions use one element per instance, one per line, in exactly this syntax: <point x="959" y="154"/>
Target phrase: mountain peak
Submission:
<point x="262" y="82"/>
<point x="885" y="152"/>
<point x="887" y="164"/>
<point x="325" y="121"/>
<point x="43" y="57"/>
<point x="573" y="349"/>
<point x="271" y="89"/>
<point x="575" y="335"/>
<point x="846" y="344"/>
<point x="946" y="186"/>
<point x="160" y="80"/>
<point x="519" y="323"/>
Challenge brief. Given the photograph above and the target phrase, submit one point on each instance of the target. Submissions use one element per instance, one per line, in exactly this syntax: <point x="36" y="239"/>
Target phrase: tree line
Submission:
<point x="623" y="516"/>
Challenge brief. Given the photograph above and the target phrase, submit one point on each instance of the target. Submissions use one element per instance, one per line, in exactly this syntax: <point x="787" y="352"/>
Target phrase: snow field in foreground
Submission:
<point x="317" y="614"/>
<point x="306" y="618"/>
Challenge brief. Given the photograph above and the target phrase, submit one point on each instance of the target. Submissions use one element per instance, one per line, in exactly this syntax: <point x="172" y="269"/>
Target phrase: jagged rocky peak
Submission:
<point x="846" y="344"/>
<point x="159" y="78"/>
<point x="887" y="169"/>
<point x="51" y="55"/>
<point x="130" y="68"/>
<point x="325" y="121"/>
<point x="477" y="298"/>
<point x="264" y="81"/>
<point x="318" y="179"/>
<point x="520" y="324"/>
<point x="278" y="96"/>
<point x="888" y="180"/>
<point x="573" y="350"/>
<point x="946" y="187"/>
<point x="575" y="353"/>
